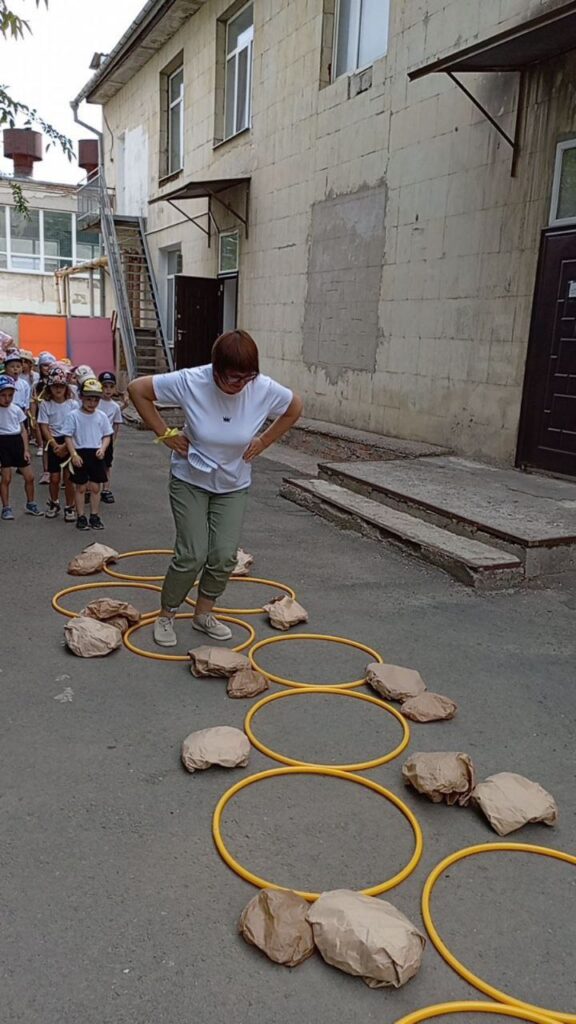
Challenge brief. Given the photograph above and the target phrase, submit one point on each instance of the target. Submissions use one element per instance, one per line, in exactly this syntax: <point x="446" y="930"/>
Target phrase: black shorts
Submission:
<point x="109" y="456"/>
<point x="12" y="451"/>
<point x="92" y="470"/>
<point x="55" y="461"/>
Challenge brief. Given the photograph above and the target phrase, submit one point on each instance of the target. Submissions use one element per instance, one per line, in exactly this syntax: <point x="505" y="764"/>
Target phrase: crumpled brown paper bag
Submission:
<point x="393" y="682"/>
<point x="244" y="563"/>
<point x="276" y="923"/>
<point x="216" y="661"/>
<point x="510" y="801"/>
<point x="221" y="745"/>
<point x="441" y="776"/>
<point x="367" y="937"/>
<point x="246" y="683"/>
<point x="429" y="707"/>
<point x="115" y="613"/>
<point x="285" y="612"/>
<point x="89" y="638"/>
<point x="91" y="559"/>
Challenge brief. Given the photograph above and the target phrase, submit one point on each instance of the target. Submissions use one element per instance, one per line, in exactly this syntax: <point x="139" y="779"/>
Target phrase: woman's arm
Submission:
<point x="141" y="392"/>
<point x="276" y="429"/>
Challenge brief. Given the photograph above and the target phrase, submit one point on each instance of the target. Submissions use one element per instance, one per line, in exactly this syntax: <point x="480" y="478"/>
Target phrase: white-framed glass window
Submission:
<point x="44" y="241"/>
<point x="361" y="33"/>
<point x="24" y="252"/>
<point x="173" y="267"/>
<point x="3" y="240"/>
<point x="228" y="252"/>
<point x="176" y="121"/>
<point x="58" y="240"/>
<point x="239" y="45"/>
<point x="563" y="209"/>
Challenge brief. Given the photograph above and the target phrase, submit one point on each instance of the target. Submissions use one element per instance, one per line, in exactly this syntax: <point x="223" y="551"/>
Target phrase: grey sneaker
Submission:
<point x="31" y="509"/>
<point x="209" y="624"/>
<point x="7" y="512"/>
<point x="164" y="634"/>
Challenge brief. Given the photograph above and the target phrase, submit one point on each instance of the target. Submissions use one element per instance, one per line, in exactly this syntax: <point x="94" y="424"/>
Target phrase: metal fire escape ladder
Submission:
<point x="162" y="330"/>
<point x="117" y="275"/>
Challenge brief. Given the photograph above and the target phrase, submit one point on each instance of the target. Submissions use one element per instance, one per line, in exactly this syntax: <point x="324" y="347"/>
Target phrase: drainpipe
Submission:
<point x="74" y="104"/>
<point x="83" y="124"/>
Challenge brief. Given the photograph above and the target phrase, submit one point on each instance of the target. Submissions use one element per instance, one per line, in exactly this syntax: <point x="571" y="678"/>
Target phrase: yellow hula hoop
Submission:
<point x="98" y="586"/>
<point x="147" y="621"/>
<point x="133" y="554"/>
<point x="335" y="773"/>
<point x="310" y="636"/>
<point x="464" y="972"/>
<point x="361" y="766"/>
<point x="468" y="1006"/>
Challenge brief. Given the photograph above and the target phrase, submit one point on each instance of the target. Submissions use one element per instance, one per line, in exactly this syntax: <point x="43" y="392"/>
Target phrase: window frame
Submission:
<point x="555" y="221"/>
<point x="227" y="233"/>
<point x="358" y="68"/>
<point x="42" y="256"/>
<point x="234" y="55"/>
<point x="171" y="105"/>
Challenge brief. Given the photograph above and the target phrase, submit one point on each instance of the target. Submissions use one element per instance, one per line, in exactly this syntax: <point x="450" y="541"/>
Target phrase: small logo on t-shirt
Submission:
<point x="226" y="419"/>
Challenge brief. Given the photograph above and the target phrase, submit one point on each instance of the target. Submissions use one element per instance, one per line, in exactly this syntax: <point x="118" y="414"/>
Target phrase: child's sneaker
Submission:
<point x="39" y="451"/>
<point x="7" y="512"/>
<point x="107" y="497"/>
<point x="96" y="523"/>
<point x="69" y="514"/>
<point x="45" y="478"/>
<point x="52" y="509"/>
<point x="82" y="523"/>
<point x="32" y="509"/>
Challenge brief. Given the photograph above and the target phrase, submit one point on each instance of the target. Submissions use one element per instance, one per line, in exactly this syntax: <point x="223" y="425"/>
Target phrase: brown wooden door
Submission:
<point x="199" y="304"/>
<point x="547" y="438"/>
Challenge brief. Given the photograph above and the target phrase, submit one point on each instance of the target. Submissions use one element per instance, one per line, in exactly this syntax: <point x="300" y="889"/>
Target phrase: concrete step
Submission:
<point x="470" y="561"/>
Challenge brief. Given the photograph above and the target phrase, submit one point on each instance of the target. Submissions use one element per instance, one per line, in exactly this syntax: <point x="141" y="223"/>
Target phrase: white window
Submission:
<point x="361" y="33"/>
<point x="228" y="247"/>
<point x="173" y="267"/>
<point x="563" y="209"/>
<point x="176" y="121"/>
<point x="44" y="241"/>
<point x="239" y="43"/>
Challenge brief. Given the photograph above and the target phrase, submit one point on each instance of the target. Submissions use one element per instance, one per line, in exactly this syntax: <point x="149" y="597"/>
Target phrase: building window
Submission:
<point x="173" y="267"/>
<point x="24" y="251"/>
<point x="43" y="241"/>
<point x="361" y="33"/>
<point x="57" y="241"/>
<point x="238" y="89"/>
<point x="228" y="249"/>
<point x="564" y="187"/>
<point x="3" y="240"/>
<point x="176" y="121"/>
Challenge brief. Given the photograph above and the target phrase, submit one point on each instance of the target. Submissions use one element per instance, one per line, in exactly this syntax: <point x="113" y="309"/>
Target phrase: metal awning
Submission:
<point x="211" y="189"/>
<point x="518" y="49"/>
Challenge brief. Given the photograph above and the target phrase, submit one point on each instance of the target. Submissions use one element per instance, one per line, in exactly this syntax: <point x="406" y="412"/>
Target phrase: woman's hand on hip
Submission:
<point x="179" y="443"/>
<point x="256" y="447"/>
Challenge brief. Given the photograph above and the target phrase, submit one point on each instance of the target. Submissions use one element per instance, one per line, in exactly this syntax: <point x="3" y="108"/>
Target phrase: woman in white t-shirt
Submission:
<point x="225" y="404"/>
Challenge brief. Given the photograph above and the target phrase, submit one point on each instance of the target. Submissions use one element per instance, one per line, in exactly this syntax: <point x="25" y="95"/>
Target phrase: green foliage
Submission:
<point x="11" y="24"/>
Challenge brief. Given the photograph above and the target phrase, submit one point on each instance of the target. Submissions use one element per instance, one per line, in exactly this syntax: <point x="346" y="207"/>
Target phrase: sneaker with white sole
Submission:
<point x="31" y="509"/>
<point x="40" y="451"/>
<point x="209" y="624"/>
<point x="44" y="479"/>
<point x="164" y="634"/>
<point x="7" y="512"/>
<point x="52" y="509"/>
<point x="69" y="514"/>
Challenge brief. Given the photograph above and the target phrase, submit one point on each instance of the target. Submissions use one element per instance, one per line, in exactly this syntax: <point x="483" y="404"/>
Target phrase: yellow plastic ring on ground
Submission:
<point x="334" y="773"/>
<point x="148" y="621"/>
<point x="134" y="554"/>
<point x="249" y="579"/>
<point x="310" y="636"/>
<point x="473" y="979"/>
<point x="441" y="1009"/>
<point x="361" y="766"/>
<point x="98" y="586"/>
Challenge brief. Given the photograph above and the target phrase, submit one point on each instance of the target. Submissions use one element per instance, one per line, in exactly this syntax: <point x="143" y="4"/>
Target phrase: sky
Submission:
<point x="48" y="68"/>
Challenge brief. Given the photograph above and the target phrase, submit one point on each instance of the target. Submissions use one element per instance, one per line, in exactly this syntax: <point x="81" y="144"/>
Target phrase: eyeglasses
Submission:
<point x="238" y="378"/>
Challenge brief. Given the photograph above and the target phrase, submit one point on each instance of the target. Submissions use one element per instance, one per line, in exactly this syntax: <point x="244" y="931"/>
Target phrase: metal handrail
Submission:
<point x="156" y="296"/>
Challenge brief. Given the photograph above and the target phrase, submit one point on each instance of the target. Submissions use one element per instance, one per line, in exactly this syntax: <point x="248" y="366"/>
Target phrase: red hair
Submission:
<point x="235" y="352"/>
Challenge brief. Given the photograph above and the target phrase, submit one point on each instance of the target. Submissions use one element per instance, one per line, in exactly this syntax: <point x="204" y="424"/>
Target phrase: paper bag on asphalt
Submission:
<point x="221" y="745"/>
<point x="216" y="661"/>
<point x="285" y="612"/>
<point x="276" y="923"/>
<point x="441" y="776"/>
<point x="246" y="683"/>
<point x="89" y="638"/>
<point x="116" y="613"/>
<point x="510" y="801"/>
<point x="91" y="559"/>
<point x="244" y="563"/>
<point x="366" y="937"/>
<point x="429" y="707"/>
<point x="393" y="682"/>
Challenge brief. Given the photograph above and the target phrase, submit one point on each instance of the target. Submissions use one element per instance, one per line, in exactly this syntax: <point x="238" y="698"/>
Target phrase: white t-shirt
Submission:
<point x="112" y="410"/>
<point x="218" y="426"/>
<point x="55" y="414"/>
<point x="87" y="428"/>
<point x="11" y="419"/>
<point x="22" y="393"/>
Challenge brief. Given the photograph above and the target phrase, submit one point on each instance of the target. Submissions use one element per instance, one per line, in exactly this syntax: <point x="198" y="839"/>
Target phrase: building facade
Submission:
<point x="378" y="236"/>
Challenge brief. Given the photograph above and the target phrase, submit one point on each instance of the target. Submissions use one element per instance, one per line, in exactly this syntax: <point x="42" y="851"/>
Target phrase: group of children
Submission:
<point x="74" y="419"/>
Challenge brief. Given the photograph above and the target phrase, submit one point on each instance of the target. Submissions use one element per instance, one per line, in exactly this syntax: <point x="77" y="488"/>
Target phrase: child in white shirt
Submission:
<point x="55" y="409"/>
<point x="114" y="414"/>
<point x="88" y="434"/>
<point x="14" y="450"/>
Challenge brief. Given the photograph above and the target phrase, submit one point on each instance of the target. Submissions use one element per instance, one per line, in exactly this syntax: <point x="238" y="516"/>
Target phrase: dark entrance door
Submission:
<point x="547" y="438"/>
<point x="199" y="311"/>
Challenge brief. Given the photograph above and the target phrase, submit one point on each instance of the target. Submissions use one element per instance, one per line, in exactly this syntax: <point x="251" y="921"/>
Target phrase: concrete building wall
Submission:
<point x="389" y="270"/>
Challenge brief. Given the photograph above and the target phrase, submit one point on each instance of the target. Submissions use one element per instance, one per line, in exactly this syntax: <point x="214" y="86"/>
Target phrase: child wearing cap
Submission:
<point x="14" y="450"/>
<point x="114" y="414"/>
<point x="22" y="393"/>
<point x="57" y="404"/>
<point x="88" y="434"/>
<point x="45" y="363"/>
